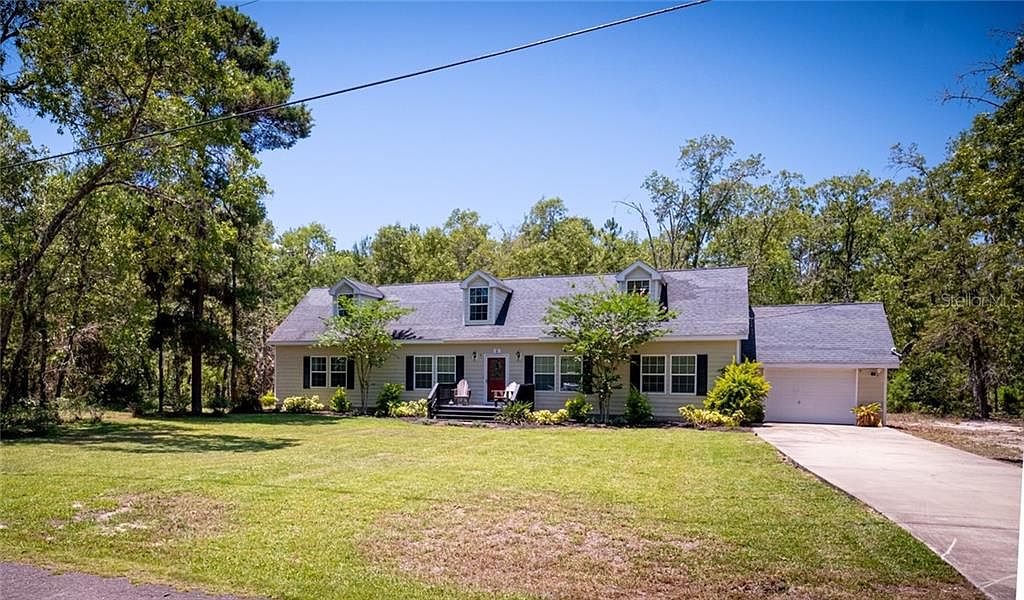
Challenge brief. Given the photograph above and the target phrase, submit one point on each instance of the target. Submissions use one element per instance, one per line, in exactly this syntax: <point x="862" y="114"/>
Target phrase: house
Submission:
<point x="822" y="360"/>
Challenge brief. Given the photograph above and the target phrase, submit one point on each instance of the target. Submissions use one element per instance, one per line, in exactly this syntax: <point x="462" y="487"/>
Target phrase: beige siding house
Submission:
<point x="489" y="332"/>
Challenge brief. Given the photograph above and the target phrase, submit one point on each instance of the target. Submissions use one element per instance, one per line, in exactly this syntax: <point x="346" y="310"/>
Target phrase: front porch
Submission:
<point x="456" y="401"/>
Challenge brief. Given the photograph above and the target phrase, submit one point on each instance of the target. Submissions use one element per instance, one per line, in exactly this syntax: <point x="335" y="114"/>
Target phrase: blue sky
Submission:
<point x="819" y="88"/>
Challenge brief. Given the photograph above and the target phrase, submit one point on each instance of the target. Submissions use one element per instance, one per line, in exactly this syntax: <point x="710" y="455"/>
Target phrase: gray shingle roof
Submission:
<point x="823" y="334"/>
<point x="710" y="303"/>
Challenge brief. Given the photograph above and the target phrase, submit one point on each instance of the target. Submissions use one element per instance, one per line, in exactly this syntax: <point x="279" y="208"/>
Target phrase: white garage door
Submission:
<point x="811" y="395"/>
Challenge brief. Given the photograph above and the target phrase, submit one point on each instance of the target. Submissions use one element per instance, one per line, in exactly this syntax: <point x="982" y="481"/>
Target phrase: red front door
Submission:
<point x="495" y="375"/>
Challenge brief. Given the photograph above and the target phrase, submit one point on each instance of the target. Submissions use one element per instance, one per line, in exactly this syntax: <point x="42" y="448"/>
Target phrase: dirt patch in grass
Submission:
<point x="549" y="547"/>
<point x="1001" y="440"/>
<point x="536" y="546"/>
<point x="158" y="517"/>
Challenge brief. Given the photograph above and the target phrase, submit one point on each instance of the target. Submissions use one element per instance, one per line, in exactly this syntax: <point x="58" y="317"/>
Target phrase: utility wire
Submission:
<point x="363" y="86"/>
<point x="167" y="30"/>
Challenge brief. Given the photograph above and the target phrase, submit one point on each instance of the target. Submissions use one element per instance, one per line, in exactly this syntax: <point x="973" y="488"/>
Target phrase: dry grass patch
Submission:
<point x="538" y="546"/>
<point x="156" y="517"/>
<point x="1000" y="440"/>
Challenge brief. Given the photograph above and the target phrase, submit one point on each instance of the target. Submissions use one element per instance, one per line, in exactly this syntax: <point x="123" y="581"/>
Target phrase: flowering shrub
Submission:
<point x="546" y="417"/>
<point x="416" y="408"/>
<point x="703" y="417"/>
<point x="302" y="404"/>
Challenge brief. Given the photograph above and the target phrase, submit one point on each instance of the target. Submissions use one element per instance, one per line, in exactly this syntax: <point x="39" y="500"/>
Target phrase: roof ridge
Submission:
<point x="816" y="304"/>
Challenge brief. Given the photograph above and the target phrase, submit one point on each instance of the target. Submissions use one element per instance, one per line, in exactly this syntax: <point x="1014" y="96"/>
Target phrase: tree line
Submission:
<point x="149" y="275"/>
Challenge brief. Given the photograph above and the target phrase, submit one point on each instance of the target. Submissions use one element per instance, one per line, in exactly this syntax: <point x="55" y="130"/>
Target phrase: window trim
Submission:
<point x="331" y="371"/>
<point x="326" y="371"/>
<point x="671" y="375"/>
<point x="648" y="281"/>
<point x="574" y="357"/>
<point x="553" y="373"/>
<point x="664" y="373"/>
<point x="486" y="304"/>
<point x="415" y="372"/>
<point x="437" y="371"/>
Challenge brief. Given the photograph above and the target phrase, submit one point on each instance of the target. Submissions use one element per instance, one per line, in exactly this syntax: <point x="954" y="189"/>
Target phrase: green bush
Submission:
<point x="515" y="413"/>
<point x="268" y="401"/>
<point x="302" y="404"/>
<point x="741" y="387"/>
<point x="703" y="417"/>
<point x="578" y="408"/>
<point x="340" y="402"/>
<point x="546" y="417"/>
<point x="638" y="408"/>
<point x="389" y="396"/>
<point x="28" y="417"/>
<point x="416" y="408"/>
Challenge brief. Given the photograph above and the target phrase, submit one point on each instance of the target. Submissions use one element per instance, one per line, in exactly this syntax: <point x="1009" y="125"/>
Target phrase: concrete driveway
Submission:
<point x="964" y="507"/>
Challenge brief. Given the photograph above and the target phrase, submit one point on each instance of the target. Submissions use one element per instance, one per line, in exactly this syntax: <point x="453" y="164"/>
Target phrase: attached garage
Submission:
<point x="811" y="395"/>
<point x="822" y="360"/>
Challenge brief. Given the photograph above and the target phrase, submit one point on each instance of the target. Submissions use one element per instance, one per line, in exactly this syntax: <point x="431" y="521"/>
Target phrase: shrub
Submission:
<point x="515" y="413"/>
<point x="28" y="417"/>
<point x="741" y="387"/>
<point x="268" y="401"/>
<point x="390" y="395"/>
<point x="868" y="415"/>
<point x="703" y="417"/>
<point x="578" y="408"/>
<point x="416" y="408"/>
<point x="546" y="417"/>
<point x="340" y="402"/>
<point x="638" y="408"/>
<point x="302" y="404"/>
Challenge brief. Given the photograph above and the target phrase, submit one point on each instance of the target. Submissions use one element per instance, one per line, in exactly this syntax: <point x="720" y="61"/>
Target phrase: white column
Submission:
<point x="885" y="394"/>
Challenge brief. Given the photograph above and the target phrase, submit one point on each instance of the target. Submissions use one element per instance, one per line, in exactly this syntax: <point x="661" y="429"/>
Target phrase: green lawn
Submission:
<point x="317" y="507"/>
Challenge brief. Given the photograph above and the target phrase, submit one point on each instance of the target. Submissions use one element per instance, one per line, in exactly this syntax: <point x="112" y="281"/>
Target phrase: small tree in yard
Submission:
<point x="362" y="333"/>
<point x="604" y="328"/>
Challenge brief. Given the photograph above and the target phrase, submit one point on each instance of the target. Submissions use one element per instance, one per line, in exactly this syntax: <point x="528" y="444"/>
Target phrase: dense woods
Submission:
<point x="147" y="275"/>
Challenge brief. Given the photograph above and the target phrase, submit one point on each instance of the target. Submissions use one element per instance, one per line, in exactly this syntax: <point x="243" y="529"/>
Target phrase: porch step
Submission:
<point x="469" y="412"/>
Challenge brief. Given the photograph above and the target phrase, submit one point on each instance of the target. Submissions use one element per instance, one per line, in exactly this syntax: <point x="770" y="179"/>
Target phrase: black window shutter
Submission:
<point x="634" y="371"/>
<point x="587" y="383"/>
<point x="305" y="372"/>
<point x="702" y="374"/>
<point x="528" y="368"/>
<point x="408" y="373"/>
<point x="460" y="367"/>
<point x="350" y="374"/>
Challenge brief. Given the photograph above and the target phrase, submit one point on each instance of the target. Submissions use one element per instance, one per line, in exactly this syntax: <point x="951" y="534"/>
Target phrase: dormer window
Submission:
<point x="479" y="302"/>
<point x="485" y="299"/>
<point x="641" y="287"/>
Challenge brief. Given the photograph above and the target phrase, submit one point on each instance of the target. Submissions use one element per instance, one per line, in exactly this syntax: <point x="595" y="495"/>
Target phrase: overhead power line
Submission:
<point x="174" y="27"/>
<point x="379" y="82"/>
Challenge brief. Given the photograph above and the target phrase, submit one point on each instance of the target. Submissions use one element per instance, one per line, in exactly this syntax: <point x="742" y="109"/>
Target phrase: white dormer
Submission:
<point x="483" y="296"/>
<point x="641" y="278"/>
<point x="356" y="290"/>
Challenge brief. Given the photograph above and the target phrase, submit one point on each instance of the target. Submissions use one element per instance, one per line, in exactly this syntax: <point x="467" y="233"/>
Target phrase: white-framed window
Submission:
<point x="639" y="286"/>
<point x="422" y="372"/>
<point x="317" y="371"/>
<point x="339" y="371"/>
<point x="478" y="303"/>
<point x="544" y="373"/>
<point x="339" y="311"/>
<point x="446" y="369"/>
<point x="652" y="374"/>
<point x="684" y="374"/>
<point x="570" y="368"/>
